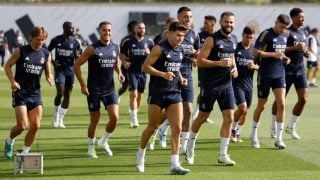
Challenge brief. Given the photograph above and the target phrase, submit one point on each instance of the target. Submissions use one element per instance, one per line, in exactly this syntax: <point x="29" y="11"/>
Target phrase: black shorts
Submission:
<point x="94" y="101"/>
<point x="242" y="96"/>
<point x="187" y="92"/>
<point x="22" y="99"/>
<point x="165" y="100"/>
<point x="60" y="77"/>
<point x="265" y="83"/>
<point x="311" y="64"/>
<point x="224" y="97"/>
<point x="299" y="81"/>
<point x="137" y="81"/>
<point x="200" y="76"/>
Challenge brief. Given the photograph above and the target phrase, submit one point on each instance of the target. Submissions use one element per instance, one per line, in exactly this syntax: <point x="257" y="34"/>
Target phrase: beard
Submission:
<point x="140" y="34"/>
<point x="227" y="30"/>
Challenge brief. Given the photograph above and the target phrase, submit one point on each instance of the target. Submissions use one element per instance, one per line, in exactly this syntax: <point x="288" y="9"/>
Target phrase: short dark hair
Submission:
<point x="104" y="23"/>
<point x="283" y="19"/>
<point x="248" y="30"/>
<point x="226" y="13"/>
<point x="211" y="18"/>
<point x="183" y="8"/>
<point x="131" y="25"/>
<point x="176" y="26"/>
<point x="295" y="12"/>
<point x="314" y="30"/>
<point x="66" y="24"/>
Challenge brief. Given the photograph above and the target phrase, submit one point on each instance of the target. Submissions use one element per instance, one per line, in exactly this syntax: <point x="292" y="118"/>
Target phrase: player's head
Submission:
<point x="38" y="36"/>
<point x="105" y="31"/>
<point x="227" y="22"/>
<point x="68" y="28"/>
<point x="248" y="35"/>
<point x="297" y="16"/>
<point x="130" y="27"/>
<point x="140" y="29"/>
<point x="176" y="32"/>
<point x="168" y="22"/>
<point x="185" y="16"/>
<point x="208" y="23"/>
<point x="314" y="32"/>
<point x="282" y="23"/>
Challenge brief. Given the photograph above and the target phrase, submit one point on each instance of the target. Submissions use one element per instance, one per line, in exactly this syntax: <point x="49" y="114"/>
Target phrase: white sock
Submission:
<point x="25" y="149"/>
<point x="141" y="152"/>
<point x="293" y="122"/>
<point x="105" y="137"/>
<point x="184" y="138"/>
<point x="10" y="140"/>
<point x="224" y="143"/>
<point x="164" y="127"/>
<point x="313" y="80"/>
<point x="274" y="122"/>
<point x="91" y="142"/>
<point x="279" y="131"/>
<point x="195" y="112"/>
<point x="234" y="125"/>
<point x="192" y="141"/>
<point x="133" y="114"/>
<point x="175" y="160"/>
<point x="238" y="129"/>
<point x="56" y="109"/>
<point x="254" y="131"/>
<point x="62" y="112"/>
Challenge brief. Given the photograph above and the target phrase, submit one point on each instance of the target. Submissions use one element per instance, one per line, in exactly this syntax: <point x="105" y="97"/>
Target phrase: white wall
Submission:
<point x="88" y="16"/>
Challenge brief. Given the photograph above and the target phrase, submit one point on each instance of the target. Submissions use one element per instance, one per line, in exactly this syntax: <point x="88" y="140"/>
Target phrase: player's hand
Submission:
<point x="184" y="81"/>
<point x="278" y="55"/>
<point x="15" y="86"/>
<point x="286" y="60"/>
<point x="306" y="54"/>
<point x="127" y="64"/>
<point x="250" y="64"/>
<point x="194" y="62"/>
<point x="84" y="90"/>
<point x="169" y="76"/>
<point x="234" y="72"/>
<point x="121" y="78"/>
<point x="226" y="62"/>
<point x="50" y="81"/>
<point x="300" y="46"/>
<point x="56" y="63"/>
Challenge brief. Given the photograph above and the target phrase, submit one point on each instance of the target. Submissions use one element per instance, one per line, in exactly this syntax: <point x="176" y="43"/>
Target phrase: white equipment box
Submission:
<point x="28" y="162"/>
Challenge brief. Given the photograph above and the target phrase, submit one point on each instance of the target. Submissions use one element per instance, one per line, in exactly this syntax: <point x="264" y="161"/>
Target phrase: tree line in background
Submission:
<point x="165" y="1"/>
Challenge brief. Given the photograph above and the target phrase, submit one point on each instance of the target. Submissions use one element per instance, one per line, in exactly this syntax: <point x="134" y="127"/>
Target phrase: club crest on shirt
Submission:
<point x="168" y="56"/>
<point x="59" y="44"/>
<point x="100" y="54"/>
<point x="71" y="45"/>
<point x="114" y="53"/>
<point x="42" y="60"/>
<point x="27" y="58"/>
<point x="181" y="56"/>
<point x="192" y="40"/>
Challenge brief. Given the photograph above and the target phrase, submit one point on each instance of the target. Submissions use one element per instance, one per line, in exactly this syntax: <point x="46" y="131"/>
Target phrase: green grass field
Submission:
<point x="65" y="149"/>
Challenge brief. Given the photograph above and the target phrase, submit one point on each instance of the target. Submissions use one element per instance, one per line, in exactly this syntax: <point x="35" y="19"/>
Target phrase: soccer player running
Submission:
<point x="190" y="46"/>
<point x="134" y="53"/>
<point x="295" y="72"/>
<point x="217" y="59"/>
<point x="30" y="61"/>
<point x="208" y="30"/>
<point x="269" y="49"/>
<point x="102" y="58"/>
<point x="67" y="50"/>
<point x="163" y="65"/>
<point x="243" y="84"/>
<point x="124" y="84"/>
